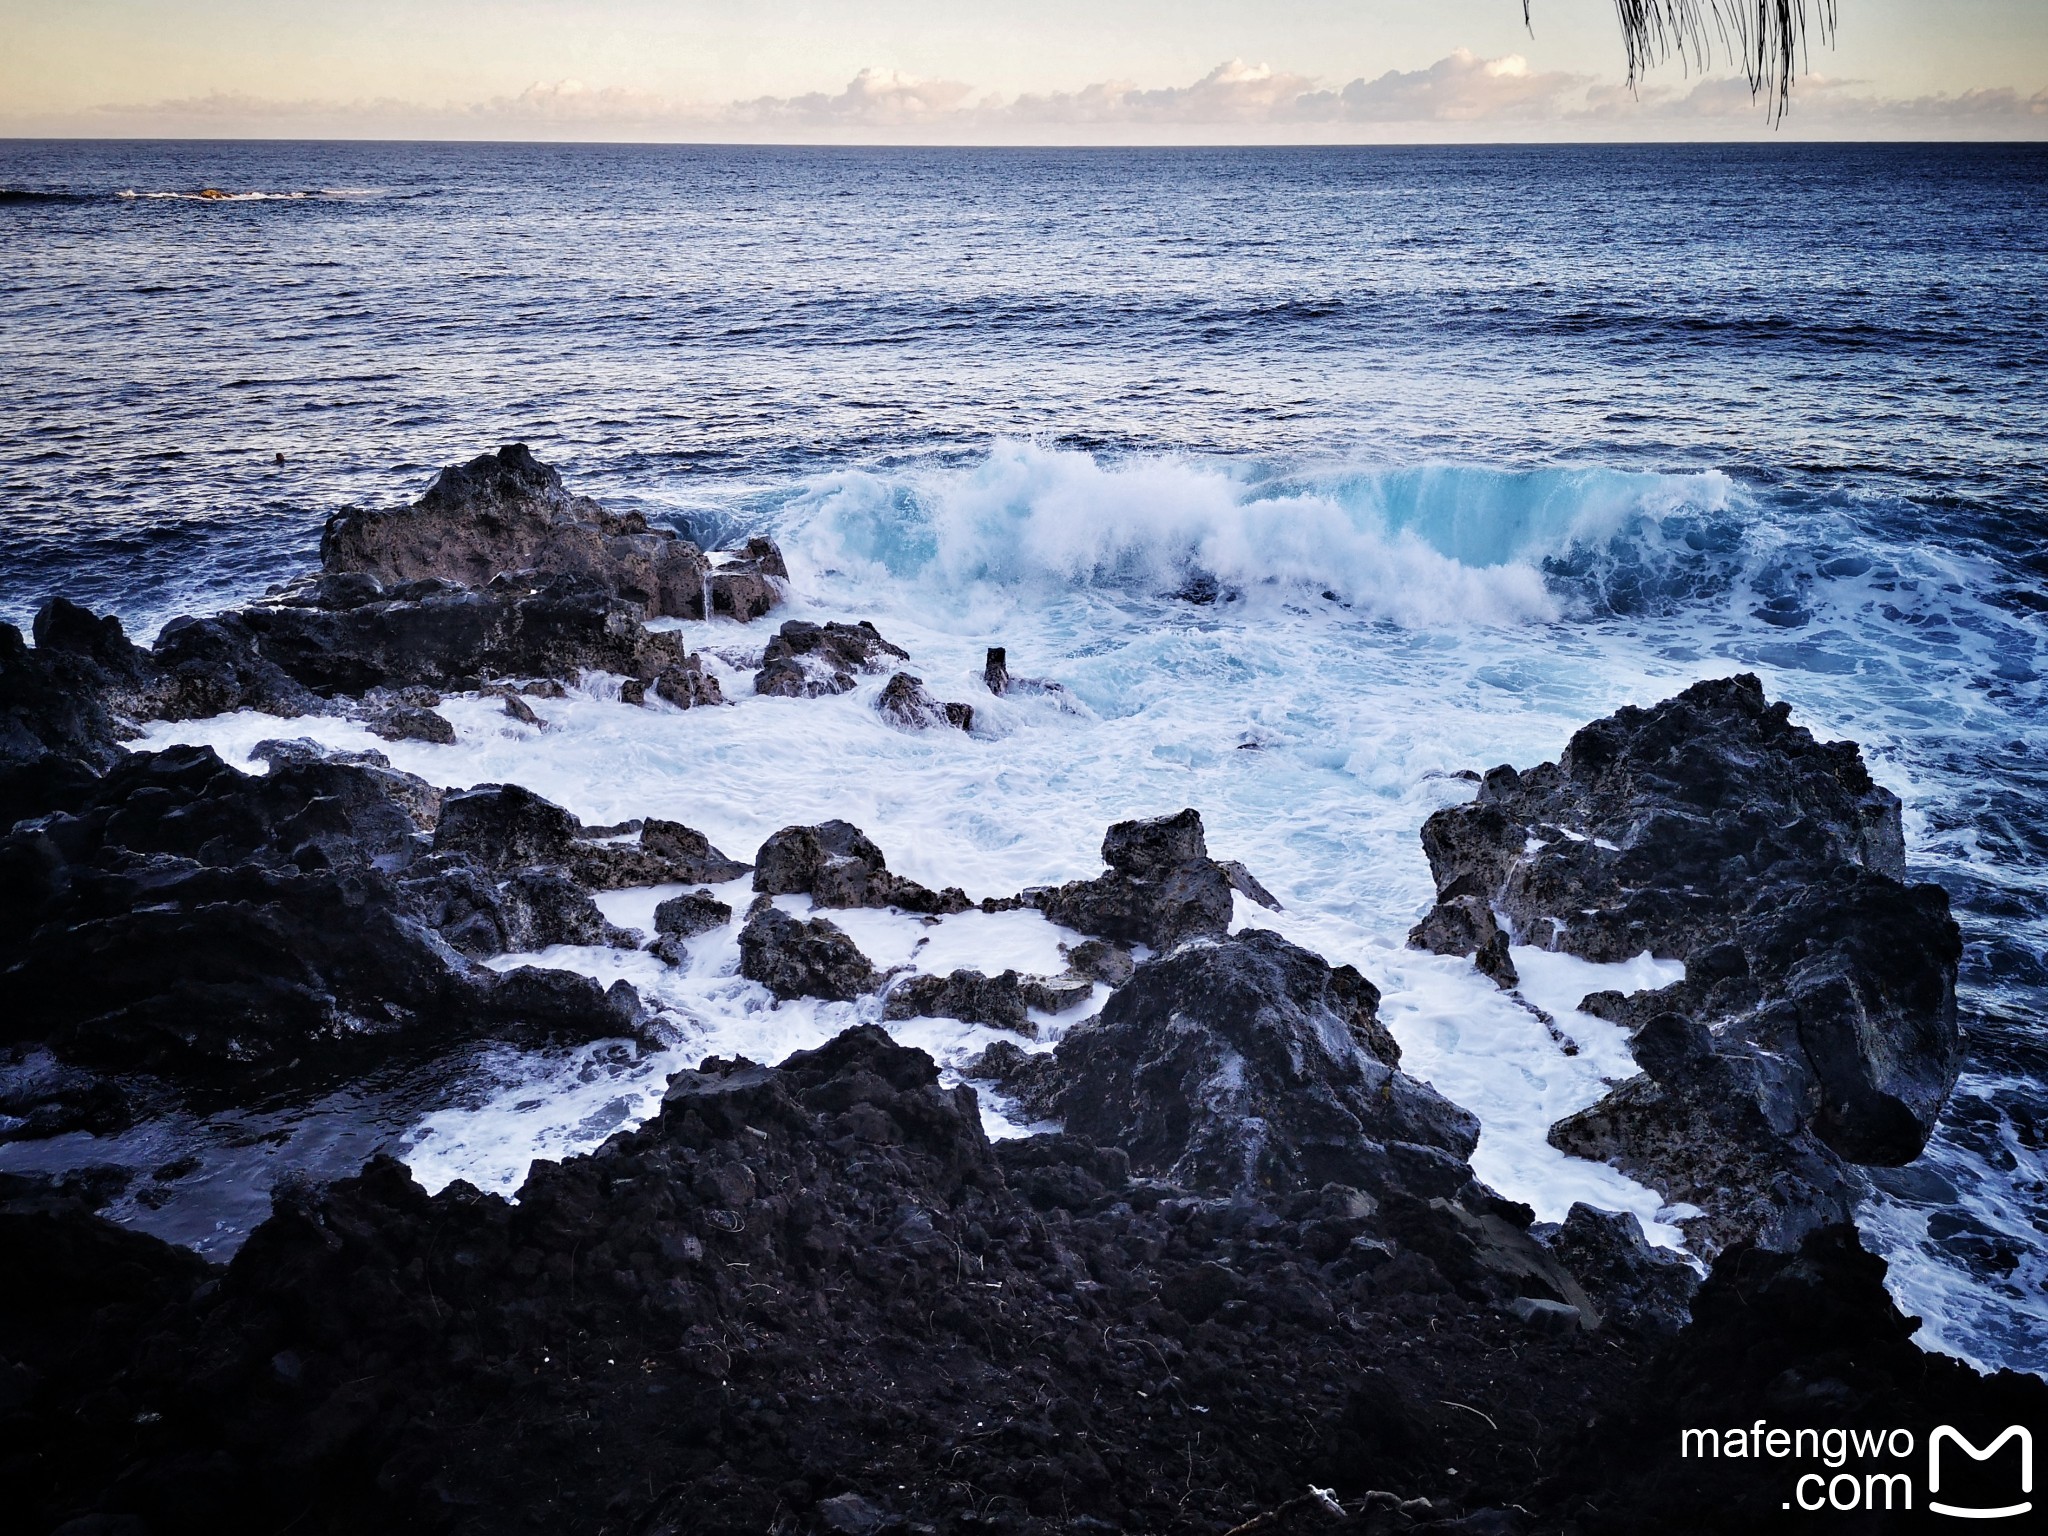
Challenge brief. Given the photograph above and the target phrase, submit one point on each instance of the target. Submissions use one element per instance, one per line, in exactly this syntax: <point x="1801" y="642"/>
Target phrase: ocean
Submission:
<point x="1471" y="445"/>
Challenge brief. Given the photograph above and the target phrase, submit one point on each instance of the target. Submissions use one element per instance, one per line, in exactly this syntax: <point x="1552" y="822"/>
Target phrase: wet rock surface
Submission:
<point x="230" y="931"/>
<point x="809" y="661"/>
<point x="795" y="957"/>
<point x="1161" y="888"/>
<point x="838" y="865"/>
<point x="906" y="704"/>
<point x="1816" y="1025"/>
<point x="1250" y="1064"/>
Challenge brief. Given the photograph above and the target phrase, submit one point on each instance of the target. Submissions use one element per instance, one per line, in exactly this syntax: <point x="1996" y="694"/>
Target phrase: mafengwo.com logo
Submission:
<point x="1845" y="1471"/>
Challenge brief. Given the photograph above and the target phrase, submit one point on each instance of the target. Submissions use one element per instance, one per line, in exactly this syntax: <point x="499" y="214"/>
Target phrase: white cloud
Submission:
<point x="1460" y="95"/>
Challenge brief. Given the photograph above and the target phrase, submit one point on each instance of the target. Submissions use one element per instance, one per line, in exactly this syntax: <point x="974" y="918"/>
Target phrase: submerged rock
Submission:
<point x="904" y="703"/>
<point x="1816" y="1022"/>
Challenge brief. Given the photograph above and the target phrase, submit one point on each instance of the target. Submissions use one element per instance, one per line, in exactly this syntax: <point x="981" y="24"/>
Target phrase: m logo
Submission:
<point x="2016" y="1432"/>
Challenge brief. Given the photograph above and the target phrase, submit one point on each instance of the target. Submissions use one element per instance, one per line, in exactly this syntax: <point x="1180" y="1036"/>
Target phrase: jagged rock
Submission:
<point x="404" y="722"/>
<point x="505" y="827"/>
<point x="904" y="703"/>
<point x="746" y="586"/>
<point x="838" y="865"/>
<point x="667" y="853"/>
<point x="507" y="511"/>
<point x="1655" y="826"/>
<point x="1818" y="1009"/>
<point x="225" y="930"/>
<point x="1246" y="885"/>
<point x="1056" y="994"/>
<point x="544" y="907"/>
<point x="687" y="685"/>
<point x="795" y="958"/>
<point x="411" y="793"/>
<point x="1635" y="1285"/>
<point x="1162" y="887"/>
<point x="1810" y="1341"/>
<point x="1462" y="925"/>
<point x="518" y="709"/>
<point x="1494" y="961"/>
<point x="808" y="661"/>
<point x="995" y="672"/>
<point x="838" y="1232"/>
<point x="1250" y="1064"/>
<point x="42" y="1097"/>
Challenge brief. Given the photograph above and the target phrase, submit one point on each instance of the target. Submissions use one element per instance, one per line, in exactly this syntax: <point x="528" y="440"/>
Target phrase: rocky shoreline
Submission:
<point x="1253" y="1283"/>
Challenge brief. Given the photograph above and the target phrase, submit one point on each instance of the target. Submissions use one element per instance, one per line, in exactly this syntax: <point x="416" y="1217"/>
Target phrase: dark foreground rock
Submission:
<point x="237" y="932"/>
<point x="815" y="1299"/>
<point x="1816" y="1025"/>
<point x="507" y="511"/>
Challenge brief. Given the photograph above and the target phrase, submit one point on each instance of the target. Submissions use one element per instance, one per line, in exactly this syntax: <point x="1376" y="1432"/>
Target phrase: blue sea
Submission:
<point x="1475" y="444"/>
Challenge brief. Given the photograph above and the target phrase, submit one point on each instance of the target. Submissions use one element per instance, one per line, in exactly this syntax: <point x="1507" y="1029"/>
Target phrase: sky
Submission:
<point x="983" y="71"/>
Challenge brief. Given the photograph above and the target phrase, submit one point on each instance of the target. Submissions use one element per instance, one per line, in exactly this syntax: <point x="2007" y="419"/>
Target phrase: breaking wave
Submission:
<point x="1419" y="547"/>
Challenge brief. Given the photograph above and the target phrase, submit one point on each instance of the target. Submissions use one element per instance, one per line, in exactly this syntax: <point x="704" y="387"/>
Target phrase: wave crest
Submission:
<point x="1419" y="547"/>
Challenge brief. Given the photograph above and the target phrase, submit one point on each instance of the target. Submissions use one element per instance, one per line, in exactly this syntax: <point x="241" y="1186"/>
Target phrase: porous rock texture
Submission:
<point x="1816" y="1025"/>
<point x="794" y="957"/>
<point x="1251" y="1064"/>
<point x="906" y="704"/>
<point x="1161" y="886"/>
<point x="814" y="1298"/>
<point x="838" y="865"/>
<point x="507" y="511"/>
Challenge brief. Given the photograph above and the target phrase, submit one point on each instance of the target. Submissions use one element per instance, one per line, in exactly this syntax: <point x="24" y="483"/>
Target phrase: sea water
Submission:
<point x="1468" y="446"/>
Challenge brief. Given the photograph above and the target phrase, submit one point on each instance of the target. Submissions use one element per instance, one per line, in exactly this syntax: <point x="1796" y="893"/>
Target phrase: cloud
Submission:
<point x="1460" y="95"/>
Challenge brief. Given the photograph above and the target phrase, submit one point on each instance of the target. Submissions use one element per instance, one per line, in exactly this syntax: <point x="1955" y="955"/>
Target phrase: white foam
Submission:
<point x="1314" y="737"/>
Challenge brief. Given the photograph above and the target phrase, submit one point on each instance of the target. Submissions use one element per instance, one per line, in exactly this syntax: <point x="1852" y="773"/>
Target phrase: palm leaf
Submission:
<point x="1766" y="37"/>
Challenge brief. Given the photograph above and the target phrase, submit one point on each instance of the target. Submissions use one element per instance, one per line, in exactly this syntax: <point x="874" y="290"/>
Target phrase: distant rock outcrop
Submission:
<point x="507" y="511"/>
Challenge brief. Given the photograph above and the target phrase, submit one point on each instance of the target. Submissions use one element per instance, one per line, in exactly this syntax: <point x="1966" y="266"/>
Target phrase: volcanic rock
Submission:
<point x="808" y="661"/>
<point x="1162" y="886"/>
<point x="1635" y="1285"/>
<point x="688" y="915"/>
<point x="748" y="585"/>
<point x="795" y="958"/>
<point x="405" y="722"/>
<point x="507" y="511"/>
<point x="802" y="1290"/>
<point x="966" y="995"/>
<point x="904" y="703"/>
<point x="838" y="865"/>
<point x="1250" y="1064"/>
<point x="1816" y="1023"/>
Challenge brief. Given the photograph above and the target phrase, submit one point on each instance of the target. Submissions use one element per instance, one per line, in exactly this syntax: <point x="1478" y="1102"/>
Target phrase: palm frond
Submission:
<point x="1766" y="37"/>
